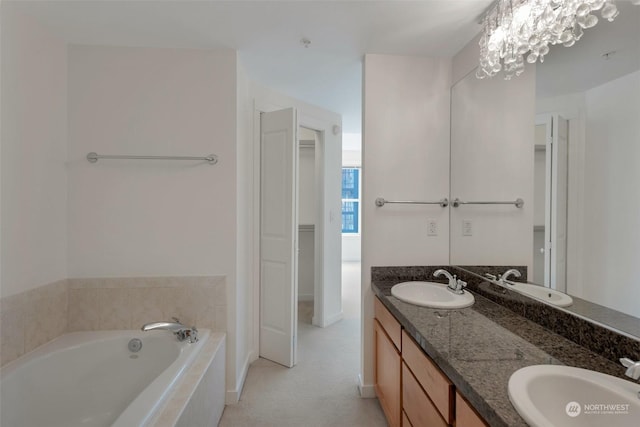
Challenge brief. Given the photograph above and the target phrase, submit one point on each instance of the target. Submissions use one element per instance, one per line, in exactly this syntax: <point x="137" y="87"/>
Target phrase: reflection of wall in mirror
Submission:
<point x="604" y="202"/>
<point x="492" y="160"/>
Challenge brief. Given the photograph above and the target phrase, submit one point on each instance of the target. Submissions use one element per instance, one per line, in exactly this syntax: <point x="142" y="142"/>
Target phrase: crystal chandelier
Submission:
<point x="519" y="29"/>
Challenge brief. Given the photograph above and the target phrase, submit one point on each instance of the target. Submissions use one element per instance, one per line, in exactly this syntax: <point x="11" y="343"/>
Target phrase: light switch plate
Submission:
<point x="432" y="227"/>
<point x="467" y="227"/>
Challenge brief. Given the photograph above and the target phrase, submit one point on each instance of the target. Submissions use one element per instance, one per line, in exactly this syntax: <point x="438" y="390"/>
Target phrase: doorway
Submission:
<point x="550" y="201"/>
<point x="278" y="221"/>
<point x="308" y="190"/>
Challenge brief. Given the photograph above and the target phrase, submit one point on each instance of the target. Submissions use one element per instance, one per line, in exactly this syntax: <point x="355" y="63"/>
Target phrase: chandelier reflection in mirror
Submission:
<point x="519" y="30"/>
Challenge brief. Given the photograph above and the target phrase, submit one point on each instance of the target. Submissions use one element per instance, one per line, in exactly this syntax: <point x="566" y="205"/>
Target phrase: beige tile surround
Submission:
<point x="35" y="317"/>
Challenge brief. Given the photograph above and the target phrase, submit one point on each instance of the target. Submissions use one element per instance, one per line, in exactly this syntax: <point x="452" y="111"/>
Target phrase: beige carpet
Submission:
<point x="321" y="390"/>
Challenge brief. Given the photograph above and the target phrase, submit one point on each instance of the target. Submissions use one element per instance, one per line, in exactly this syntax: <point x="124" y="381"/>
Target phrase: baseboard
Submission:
<point x="328" y="321"/>
<point x="366" y="391"/>
<point x="233" y="396"/>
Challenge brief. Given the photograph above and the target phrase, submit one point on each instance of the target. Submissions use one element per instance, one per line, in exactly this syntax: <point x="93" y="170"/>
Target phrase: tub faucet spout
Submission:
<point x="181" y="331"/>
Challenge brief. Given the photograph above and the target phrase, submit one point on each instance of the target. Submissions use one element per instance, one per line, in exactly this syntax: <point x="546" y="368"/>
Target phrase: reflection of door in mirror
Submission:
<point x="539" y="201"/>
<point x="550" y="202"/>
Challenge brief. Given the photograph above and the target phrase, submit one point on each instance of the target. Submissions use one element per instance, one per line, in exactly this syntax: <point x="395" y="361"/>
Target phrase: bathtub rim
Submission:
<point x="179" y="397"/>
<point x="70" y="341"/>
<point x="158" y="392"/>
<point x="170" y="375"/>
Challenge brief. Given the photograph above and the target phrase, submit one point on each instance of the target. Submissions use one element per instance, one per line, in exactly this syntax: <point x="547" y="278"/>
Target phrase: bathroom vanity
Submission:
<point x="411" y="388"/>
<point x="451" y="367"/>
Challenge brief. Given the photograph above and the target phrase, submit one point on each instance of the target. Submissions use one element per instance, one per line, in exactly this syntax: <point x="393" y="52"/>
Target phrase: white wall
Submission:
<point x="165" y="218"/>
<point x="405" y="156"/>
<point x="134" y="218"/>
<point x="34" y="135"/>
<point x="492" y="136"/>
<point x="611" y="229"/>
<point x="241" y="312"/>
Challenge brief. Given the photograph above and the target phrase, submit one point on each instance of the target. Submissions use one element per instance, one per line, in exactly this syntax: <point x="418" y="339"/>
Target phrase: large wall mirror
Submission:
<point x="575" y="161"/>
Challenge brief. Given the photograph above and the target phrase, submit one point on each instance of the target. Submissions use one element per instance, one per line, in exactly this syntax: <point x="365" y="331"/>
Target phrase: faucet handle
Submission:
<point x="626" y="362"/>
<point x="490" y="276"/>
<point x="461" y="284"/>
<point x="192" y="335"/>
<point x="633" y="368"/>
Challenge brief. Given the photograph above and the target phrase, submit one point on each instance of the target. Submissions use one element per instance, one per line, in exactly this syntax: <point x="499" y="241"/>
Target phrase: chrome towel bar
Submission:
<point x="93" y="158"/>
<point x="519" y="203"/>
<point x="442" y="202"/>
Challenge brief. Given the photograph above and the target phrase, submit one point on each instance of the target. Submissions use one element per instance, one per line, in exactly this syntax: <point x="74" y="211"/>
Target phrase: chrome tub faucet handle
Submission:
<point x="633" y="368"/>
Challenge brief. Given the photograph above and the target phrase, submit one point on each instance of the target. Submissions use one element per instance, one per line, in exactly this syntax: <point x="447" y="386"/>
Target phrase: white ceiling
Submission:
<point x="267" y="34"/>
<point x="582" y="67"/>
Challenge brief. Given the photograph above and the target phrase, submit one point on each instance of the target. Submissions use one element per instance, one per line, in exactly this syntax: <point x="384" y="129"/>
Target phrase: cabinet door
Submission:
<point x="465" y="415"/>
<point x="429" y="376"/>
<point x="387" y="375"/>
<point x="421" y="412"/>
<point x="405" y="420"/>
<point x="388" y="322"/>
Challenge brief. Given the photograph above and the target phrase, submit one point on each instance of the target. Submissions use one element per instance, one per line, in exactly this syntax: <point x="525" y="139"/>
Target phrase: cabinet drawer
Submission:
<point x="405" y="420"/>
<point x="420" y="411"/>
<point x="466" y="416"/>
<point x="388" y="322"/>
<point x="387" y="375"/>
<point x="432" y="380"/>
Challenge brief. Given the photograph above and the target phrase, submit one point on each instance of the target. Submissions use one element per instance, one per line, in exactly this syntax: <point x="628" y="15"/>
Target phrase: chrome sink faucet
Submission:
<point x="181" y="331"/>
<point x="633" y="368"/>
<point x="455" y="285"/>
<point x="505" y="276"/>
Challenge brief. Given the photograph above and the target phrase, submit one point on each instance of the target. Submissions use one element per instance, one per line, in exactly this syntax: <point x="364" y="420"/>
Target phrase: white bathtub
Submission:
<point x="91" y="379"/>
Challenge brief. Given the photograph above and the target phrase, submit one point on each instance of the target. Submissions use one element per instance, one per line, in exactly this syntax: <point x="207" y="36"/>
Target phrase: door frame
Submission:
<point x="548" y="122"/>
<point x="313" y="118"/>
<point x="551" y="121"/>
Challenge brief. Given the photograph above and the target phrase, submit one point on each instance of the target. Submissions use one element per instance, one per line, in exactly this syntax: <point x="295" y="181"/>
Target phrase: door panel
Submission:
<point x="278" y="237"/>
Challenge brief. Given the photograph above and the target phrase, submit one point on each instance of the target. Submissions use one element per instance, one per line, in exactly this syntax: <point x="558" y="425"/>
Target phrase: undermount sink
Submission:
<point x="545" y="294"/>
<point x="432" y="295"/>
<point x="551" y="395"/>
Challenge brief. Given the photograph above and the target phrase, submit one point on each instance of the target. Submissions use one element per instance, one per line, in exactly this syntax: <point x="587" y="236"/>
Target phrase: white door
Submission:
<point x="278" y="236"/>
<point x="558" y="213"/>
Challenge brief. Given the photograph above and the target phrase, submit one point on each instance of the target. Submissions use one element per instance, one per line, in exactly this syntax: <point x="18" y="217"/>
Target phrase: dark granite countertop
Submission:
<point x="479" y="348"/>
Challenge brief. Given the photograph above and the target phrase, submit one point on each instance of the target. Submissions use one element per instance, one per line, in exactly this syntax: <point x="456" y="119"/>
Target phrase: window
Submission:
<point x="350" y="200"/>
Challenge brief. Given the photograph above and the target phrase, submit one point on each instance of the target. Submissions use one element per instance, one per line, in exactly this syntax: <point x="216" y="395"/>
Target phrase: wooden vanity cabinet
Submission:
<point x="419" y="409"/>
<point x="388" y="361"/>
<point x="412" y="390"/>
<point x="434" y="385"/>
<point x="466" y="416"/>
